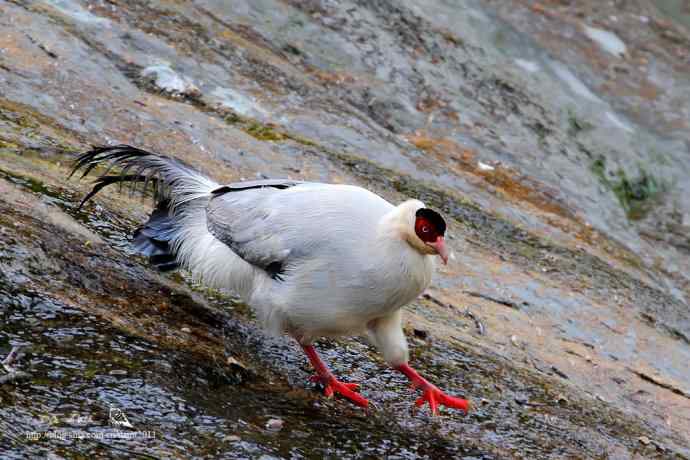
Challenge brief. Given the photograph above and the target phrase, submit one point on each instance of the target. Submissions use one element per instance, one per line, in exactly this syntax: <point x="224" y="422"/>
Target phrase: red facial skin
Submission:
<point x="429" y="234"/>
<point x="425" y="230"/>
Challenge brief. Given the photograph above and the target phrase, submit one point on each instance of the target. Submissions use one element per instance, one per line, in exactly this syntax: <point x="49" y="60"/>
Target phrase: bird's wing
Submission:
<point x="270" y="223"/>
<point x="279" y="184"/>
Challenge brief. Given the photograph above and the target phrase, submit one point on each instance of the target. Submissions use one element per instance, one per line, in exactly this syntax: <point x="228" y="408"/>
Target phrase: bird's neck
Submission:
<point x="408" y="271"/>
<point x="394" y="240"/>
<point x="397" y="226"/>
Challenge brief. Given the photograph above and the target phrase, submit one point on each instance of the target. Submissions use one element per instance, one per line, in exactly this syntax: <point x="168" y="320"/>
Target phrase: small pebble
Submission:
<point x="231" y="361"/>
<point x="490" y="425"/>
<point x="274" y="424"/>
<point x="186" y="330"/>
<point x="484" y="166"/>
<point x="420" y="333"/>
<point x="521" y="400"/>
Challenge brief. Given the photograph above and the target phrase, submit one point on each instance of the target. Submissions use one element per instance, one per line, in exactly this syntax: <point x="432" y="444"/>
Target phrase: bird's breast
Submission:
<point x="396" y="283"/>
<point x="343" y="294"/>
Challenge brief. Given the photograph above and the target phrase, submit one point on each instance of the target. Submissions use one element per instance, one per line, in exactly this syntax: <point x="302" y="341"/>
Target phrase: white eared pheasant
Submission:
<point x="313" y="260"/>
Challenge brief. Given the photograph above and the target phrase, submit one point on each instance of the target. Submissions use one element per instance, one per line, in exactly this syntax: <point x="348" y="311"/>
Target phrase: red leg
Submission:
<point x="431" y="393"/>
<point x="328" y="380"/>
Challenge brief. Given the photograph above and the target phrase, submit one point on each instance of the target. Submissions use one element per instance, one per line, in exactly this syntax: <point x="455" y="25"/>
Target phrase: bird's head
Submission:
<point x="423" y="228"/>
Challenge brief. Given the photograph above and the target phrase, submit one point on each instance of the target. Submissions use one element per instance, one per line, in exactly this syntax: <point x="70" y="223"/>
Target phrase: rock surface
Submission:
<point x="554" y="135"/>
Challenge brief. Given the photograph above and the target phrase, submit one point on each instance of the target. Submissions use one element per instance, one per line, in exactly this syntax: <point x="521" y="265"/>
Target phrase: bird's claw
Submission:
<point x="436" y="397"/>
<point x="333" y="386"/>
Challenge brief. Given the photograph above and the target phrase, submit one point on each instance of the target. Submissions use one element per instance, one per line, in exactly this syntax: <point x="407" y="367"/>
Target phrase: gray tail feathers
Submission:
<point x="175" y="187"/>
<point x="154" y="238"/>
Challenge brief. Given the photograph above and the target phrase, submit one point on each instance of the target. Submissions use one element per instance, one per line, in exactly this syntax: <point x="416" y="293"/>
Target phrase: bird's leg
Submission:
<point x="431" y="393"/>
<point x="328" y="380"/>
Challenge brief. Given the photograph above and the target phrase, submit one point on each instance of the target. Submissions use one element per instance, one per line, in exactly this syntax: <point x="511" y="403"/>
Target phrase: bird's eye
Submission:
<point x="425" y="229"/>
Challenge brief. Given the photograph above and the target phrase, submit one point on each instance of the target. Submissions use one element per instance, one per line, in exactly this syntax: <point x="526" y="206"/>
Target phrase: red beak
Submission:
<point x="440" y="246"/>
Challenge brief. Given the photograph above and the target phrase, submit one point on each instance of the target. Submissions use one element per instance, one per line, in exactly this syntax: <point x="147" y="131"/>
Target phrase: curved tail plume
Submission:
<point x="180" y="194"/>
<point x="170" y="178"/>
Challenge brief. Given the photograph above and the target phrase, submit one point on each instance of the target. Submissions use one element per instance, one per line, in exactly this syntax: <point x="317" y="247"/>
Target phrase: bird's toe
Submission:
<point x="332" y="386"/>
<point x="436" y="398"/>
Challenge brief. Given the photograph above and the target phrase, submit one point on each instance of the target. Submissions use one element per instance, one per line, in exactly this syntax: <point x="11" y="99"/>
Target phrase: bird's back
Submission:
<point x="308" y="221"/>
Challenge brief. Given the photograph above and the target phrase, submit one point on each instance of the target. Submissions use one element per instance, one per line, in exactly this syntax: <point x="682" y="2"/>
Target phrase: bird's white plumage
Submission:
<point x="311" y="259"/>
<point x="348" y="264"/>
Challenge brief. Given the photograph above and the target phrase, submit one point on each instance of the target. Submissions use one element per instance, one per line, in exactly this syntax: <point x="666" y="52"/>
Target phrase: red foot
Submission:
<point x="334" y="386"/>
<point x="431" y="393"/>
<point x="435" y="397"/>
<point x="328" y="380"/>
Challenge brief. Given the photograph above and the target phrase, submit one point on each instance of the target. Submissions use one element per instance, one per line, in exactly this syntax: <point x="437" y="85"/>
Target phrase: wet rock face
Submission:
<point x="552" y="135"/>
